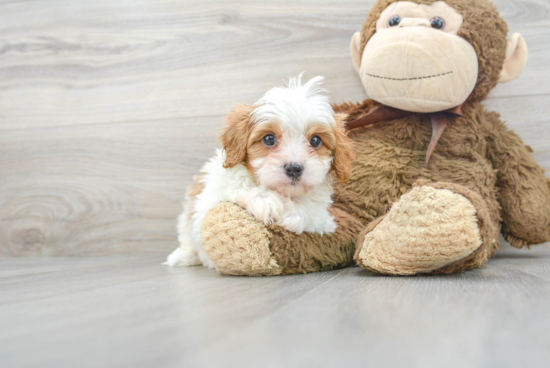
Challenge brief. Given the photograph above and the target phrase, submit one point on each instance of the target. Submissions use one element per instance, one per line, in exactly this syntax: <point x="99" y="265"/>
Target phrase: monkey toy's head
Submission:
<point x="428" y="56"/>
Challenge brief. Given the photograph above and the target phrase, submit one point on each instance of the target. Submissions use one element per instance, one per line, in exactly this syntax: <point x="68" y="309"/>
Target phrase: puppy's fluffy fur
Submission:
<point x="275" y="163"/>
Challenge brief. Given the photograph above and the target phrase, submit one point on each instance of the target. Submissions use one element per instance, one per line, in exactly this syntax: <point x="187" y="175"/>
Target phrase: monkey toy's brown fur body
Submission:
<point x="477" y="158"/>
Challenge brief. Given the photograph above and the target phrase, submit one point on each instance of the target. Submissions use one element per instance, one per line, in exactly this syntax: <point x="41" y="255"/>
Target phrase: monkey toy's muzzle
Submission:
<point x="418" y="69"/>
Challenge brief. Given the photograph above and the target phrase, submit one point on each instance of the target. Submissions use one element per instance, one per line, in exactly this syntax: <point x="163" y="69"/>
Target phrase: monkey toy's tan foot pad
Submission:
<point x="236" y="242"/>
<point x="431" y="229"/>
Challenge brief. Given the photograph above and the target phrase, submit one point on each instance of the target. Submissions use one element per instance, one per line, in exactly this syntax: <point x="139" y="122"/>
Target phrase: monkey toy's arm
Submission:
<point x="524" y="189"/>
<point x="238" y="244"/>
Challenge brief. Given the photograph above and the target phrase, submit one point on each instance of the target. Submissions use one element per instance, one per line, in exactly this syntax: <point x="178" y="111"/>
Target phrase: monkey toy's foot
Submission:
<point x="434" y="228"/>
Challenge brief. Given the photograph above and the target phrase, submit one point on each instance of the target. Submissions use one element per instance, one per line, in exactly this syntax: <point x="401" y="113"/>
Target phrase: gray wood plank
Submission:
<point x="129" y="311"/>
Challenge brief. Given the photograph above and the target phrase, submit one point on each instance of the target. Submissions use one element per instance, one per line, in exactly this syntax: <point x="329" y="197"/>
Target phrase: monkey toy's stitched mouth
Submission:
<point x="409" y="79"/>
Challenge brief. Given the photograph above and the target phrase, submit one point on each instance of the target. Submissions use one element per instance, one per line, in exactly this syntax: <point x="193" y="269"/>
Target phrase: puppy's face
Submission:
<point x="289" y="140"/>
<point x="292" y="157"/>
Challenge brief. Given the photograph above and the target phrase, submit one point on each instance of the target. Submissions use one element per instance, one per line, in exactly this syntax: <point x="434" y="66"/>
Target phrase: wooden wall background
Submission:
<point x="108" y="107"/>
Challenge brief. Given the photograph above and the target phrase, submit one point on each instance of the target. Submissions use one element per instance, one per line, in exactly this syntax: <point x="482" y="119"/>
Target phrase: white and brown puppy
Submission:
<point x="276" y="162"/>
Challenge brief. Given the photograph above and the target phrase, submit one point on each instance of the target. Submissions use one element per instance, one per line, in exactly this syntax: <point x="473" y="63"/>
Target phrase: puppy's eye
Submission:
<point x="315" y="141"/>
<point x="269" y="140"/>
<point x="395" y="20"/>
<point x="437" y="22"/>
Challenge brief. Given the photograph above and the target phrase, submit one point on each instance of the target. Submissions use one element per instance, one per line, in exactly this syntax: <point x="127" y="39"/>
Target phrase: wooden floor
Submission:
<point x="129" y="311"/>
<point x="107" y="109"/>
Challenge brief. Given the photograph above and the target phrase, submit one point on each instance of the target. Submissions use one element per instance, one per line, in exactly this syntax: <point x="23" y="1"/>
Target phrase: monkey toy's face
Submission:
<point x="416" y="61"/>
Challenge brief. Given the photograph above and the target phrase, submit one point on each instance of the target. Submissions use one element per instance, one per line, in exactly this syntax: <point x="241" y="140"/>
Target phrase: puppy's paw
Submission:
<point x="293" y="221"/>
<point x="182" y="257"/>
<point x="266" y="206"/>
<point x="329" y="227"/>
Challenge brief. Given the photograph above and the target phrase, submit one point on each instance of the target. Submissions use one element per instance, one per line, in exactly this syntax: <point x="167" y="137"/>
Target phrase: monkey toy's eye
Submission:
<point x="437" y="22"/>
<point x="394" y="20"/>
<point x="315" y="141"/>
<point x="269" y="140"/>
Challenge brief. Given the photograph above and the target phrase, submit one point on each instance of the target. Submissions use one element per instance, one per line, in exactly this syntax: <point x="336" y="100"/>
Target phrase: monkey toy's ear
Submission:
<point x="516" y="58"/>
<point x="355" y="47"/>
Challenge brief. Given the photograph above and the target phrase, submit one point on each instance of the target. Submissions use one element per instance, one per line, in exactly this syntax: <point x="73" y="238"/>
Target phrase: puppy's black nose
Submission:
<point x="293" y="170"/>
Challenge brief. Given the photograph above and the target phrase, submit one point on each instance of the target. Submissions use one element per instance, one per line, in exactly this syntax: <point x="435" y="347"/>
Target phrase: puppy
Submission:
<point x="276" y="163"/>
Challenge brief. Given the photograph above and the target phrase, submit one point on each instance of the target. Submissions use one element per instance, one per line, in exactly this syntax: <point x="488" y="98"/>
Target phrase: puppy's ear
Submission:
<point x="234" y="137"/>
<point x="343" y="150"/>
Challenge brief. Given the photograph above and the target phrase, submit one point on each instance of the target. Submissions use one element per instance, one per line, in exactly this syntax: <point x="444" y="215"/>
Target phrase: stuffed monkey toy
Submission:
<point x="436" y="178"/>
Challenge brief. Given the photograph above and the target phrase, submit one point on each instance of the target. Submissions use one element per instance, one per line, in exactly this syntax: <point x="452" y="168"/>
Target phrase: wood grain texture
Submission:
<point x="108" y="107"/>
<point x="129" y="311"/>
